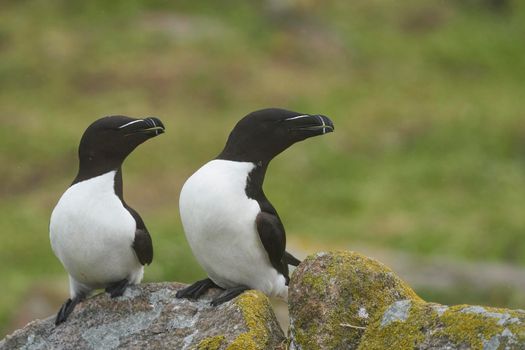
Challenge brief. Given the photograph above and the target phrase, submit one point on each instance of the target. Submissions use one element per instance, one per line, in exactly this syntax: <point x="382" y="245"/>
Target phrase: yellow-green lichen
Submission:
<point x="257" y="313"/>
<point x="375" y="277"/>
<point x="211" y="343"/>
<point x="306" y="336"/>
<point x="349" y="286"/>
<point x="471" y="327"/>
<point x="398" y="334"/>
<point x="316" y="283"/>
<point x="346" y="300"/>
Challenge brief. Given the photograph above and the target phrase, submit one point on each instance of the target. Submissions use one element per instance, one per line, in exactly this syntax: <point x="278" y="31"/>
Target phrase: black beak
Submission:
<point x="316" y="124"/>
<point x="150" y="126"/>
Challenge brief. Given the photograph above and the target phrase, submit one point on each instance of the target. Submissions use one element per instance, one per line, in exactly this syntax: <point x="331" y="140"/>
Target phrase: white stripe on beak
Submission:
<point x="154" y="125"/>
<point x="324" y="125"/>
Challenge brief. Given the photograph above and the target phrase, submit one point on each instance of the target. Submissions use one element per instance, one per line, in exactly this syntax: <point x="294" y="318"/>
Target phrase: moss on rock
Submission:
<point x="212" y="343"/>
<point x="260" y="321"/>
<point x="344" y="300"/>
<point x="435" y="326"/>
<point x="329" y="299"/>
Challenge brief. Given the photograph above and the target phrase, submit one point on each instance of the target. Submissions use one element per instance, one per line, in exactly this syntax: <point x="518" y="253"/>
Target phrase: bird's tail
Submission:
<point x="290" y="259"/>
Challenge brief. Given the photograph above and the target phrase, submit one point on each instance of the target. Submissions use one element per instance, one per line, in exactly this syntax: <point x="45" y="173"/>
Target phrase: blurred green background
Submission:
<point x="427" y="161"/>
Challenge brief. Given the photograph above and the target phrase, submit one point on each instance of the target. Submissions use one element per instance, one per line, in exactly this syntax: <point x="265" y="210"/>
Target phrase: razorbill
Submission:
<point x="233" y="230"/>
<point x="101" y="241"/>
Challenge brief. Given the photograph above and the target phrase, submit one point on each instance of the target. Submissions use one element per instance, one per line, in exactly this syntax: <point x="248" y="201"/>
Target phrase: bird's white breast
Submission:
<point x="219" y="222"/>
<point x="92" y="233"/>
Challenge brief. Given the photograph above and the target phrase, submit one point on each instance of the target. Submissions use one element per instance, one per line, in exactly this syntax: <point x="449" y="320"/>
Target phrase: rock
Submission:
<point x="344" y="300"/>
<point x="337" y="300"/>
<point x="149" y="316"/>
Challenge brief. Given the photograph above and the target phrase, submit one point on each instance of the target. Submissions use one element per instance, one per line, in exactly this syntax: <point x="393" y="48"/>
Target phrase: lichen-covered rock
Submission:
<point x="434" y="326"/>
<point x="344" y="300"/>
<point x="150" y="317"/>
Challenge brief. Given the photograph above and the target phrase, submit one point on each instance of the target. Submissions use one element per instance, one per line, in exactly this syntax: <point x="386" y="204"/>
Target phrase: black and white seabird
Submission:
<point x="101" y="241"/>
<point x="232" y="228"/>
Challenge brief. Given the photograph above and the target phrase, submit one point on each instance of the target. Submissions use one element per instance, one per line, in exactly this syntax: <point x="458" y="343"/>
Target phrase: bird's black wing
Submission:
<point x="272" y="235"/>
<point x="290" y="259"/>
<point x="143" y="246"/>
<point x="142" y="243"/>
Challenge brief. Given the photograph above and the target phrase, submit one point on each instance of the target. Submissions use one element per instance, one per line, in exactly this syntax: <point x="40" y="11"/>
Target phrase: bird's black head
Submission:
<point x="109" y="140"/>
<point x="263" y="134"/>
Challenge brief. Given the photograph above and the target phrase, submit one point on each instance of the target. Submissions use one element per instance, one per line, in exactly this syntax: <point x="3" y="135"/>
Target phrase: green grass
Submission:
<point x="428" y="155"/>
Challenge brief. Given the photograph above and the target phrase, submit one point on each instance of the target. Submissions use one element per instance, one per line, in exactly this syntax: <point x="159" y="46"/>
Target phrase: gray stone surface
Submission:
<point x="149" y="316"/>
<point x="398" y="311"/>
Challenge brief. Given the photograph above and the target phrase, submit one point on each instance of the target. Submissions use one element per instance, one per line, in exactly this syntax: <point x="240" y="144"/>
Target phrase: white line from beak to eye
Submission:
<point x="298" y="117"/>
<point x="128" y="124"/>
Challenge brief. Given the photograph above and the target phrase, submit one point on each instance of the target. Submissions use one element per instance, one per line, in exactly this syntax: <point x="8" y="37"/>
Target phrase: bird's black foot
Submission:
<point x="66" y="310"/>
<point x="196" y="289"/>
<point x="228" y="295"/>
<point x="117" y="289"/>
